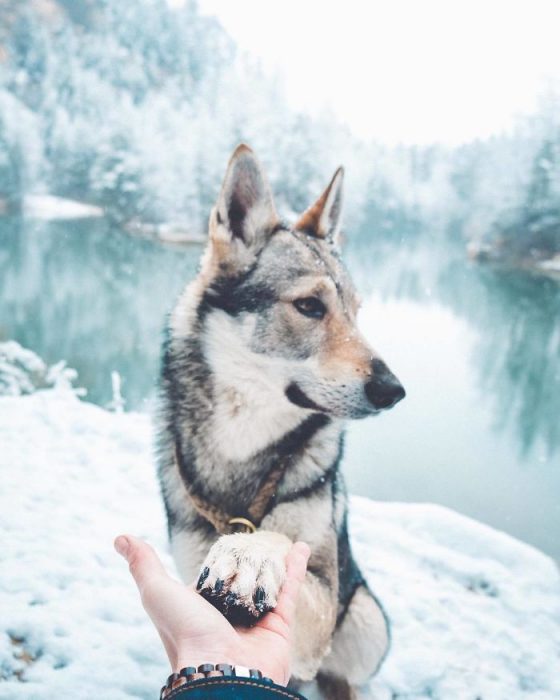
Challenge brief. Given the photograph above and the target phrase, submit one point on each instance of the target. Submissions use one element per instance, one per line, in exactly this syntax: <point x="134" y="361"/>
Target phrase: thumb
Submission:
<point x="143" y="562"/>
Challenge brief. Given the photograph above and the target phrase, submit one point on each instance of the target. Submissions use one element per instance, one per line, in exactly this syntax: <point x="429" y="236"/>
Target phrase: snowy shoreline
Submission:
<point x="491" y="255"/>
<point x="475" y="613"/>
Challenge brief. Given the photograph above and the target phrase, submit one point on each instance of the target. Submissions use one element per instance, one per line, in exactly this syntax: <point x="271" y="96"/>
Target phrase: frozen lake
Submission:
<point x="477" y="349"/>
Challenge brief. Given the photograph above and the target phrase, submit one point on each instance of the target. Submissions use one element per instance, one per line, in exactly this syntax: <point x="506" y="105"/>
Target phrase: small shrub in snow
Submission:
<point x="23" y="372"/>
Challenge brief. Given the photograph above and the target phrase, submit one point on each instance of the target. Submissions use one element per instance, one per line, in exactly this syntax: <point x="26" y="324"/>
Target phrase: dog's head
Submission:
<point x="277" y="306"/>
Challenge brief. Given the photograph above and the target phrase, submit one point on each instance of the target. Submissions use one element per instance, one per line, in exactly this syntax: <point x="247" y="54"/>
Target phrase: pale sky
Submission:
<point x="404" y="70"/>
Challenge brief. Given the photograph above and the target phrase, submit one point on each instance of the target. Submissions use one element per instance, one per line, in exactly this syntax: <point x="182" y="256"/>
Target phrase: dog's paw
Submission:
<point x="243" y="573"/>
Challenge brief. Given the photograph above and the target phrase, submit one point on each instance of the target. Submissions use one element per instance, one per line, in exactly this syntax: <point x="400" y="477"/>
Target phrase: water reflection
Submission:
<point x="480" y="349"/>
<point x="519" y="356"/>
<point x="516" y="316"/>
<point x="83" y="292"/>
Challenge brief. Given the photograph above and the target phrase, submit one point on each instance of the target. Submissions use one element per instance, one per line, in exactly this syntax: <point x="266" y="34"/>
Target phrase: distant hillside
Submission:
<point x="135" y="107"/>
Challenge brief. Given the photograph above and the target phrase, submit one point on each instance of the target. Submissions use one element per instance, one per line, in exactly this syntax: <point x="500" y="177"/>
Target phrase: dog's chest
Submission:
<point x="247" y="419"/>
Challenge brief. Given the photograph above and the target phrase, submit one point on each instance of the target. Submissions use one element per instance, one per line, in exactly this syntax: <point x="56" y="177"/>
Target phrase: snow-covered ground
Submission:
<point x="476" y="614"/>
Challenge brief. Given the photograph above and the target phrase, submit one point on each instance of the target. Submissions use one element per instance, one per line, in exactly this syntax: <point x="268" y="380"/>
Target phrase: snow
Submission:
<point x="47" y="207"/>
<point x="475" y="613"/>
<point x="551" y="265"/>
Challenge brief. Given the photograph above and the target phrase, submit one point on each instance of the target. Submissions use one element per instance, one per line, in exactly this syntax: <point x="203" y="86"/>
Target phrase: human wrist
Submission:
<point x="188" y="675"/>
<point x="198" y="659"/>
<point x="190" y="657"/>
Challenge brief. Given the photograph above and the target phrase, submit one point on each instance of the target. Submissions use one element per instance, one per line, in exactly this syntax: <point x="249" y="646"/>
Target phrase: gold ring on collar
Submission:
<point x="247" y="524"/>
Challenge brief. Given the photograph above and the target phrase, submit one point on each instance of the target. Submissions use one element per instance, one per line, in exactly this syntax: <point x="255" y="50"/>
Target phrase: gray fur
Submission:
<point x="234" y="347"/>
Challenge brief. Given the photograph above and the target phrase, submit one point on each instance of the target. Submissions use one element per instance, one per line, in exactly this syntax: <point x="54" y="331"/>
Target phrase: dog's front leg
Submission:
<point x="243" y="573"/>
<point x="314" y="626"/>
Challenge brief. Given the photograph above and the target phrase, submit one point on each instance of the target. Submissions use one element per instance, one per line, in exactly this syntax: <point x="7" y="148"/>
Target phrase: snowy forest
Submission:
<point x="135" y="108"/>
<point x="117" y="119"/>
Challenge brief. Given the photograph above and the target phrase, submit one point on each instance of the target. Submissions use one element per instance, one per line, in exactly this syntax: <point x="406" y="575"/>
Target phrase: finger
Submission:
<point x="143" y="562"/>
<point x="296" y="566"/>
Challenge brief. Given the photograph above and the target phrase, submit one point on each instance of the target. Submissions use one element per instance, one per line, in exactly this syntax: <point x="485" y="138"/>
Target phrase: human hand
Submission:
<point x="193" y="632"/>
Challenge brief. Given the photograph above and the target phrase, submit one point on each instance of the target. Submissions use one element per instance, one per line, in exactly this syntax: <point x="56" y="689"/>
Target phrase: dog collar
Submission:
<point x="227" y="523"/>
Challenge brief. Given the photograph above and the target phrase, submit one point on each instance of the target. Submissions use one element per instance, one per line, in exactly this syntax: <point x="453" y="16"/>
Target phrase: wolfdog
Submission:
<point x="262" y="364"/>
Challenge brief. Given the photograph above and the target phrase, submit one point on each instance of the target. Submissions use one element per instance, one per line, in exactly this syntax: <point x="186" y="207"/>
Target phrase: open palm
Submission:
<point x="194" y="632"/>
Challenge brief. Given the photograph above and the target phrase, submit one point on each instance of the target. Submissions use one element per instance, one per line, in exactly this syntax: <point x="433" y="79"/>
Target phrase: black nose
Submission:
<point x="383" y="390"/>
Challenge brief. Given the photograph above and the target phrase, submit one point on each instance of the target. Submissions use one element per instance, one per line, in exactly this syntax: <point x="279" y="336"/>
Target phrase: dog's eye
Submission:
<point x="311" y="307"/>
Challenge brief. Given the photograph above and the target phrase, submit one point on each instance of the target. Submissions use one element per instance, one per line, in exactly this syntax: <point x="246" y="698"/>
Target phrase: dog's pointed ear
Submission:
<point x="322" y="219"/>
<point x="245" y="208"/>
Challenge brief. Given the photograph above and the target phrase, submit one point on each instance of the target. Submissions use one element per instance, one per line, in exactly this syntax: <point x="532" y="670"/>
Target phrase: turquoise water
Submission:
<point x="477" y="349"/>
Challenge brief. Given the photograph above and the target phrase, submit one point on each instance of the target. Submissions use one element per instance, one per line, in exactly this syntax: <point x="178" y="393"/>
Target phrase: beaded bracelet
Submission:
<point x="191" y="673"/>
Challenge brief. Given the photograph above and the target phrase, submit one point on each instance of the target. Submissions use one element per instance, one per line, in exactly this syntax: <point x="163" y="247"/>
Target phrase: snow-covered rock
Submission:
<point x="475" y="613"/>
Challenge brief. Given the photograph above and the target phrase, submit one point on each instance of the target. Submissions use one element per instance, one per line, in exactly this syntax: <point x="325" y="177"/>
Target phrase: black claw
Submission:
<point x="259" y="596"/>
<point x="203" y="576"/>
<point x="219" y="586"/>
